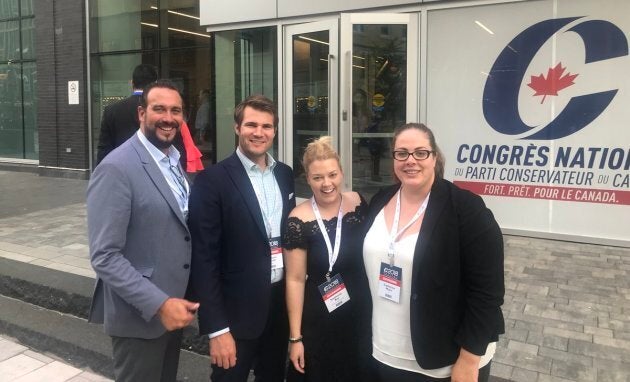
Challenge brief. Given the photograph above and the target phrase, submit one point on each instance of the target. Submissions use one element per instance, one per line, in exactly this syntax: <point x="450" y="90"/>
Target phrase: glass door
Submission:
<point x="378" y="92"/>
<point x="311" y="89"/>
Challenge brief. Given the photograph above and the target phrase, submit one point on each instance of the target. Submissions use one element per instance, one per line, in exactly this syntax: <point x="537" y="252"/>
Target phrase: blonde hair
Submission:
<point x="319" y="149"/>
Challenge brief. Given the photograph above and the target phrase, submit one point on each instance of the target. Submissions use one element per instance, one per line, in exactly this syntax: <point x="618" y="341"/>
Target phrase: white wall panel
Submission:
<point x="213" y="12"/>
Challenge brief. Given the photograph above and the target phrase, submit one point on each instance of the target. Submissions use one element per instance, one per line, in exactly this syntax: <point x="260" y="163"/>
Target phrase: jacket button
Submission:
<point x="414" y="296"/>
<point x="186" y="266"/>
<point x="187" y="238"/>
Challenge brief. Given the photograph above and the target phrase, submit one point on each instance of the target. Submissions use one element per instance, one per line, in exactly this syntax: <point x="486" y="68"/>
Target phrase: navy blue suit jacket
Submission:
<point x="231" y="261"/>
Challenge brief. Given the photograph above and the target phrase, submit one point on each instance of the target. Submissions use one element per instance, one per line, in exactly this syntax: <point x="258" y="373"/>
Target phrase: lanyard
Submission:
<point x="394" y="233"/>
<point x="332" y="253"/>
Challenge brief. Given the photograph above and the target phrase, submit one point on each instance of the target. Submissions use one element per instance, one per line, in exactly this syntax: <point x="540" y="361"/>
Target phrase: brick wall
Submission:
<point x="61" y="57"/>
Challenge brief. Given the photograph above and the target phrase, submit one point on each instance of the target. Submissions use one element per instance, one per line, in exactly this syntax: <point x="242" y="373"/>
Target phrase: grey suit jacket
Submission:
<point x="139" y="242"/>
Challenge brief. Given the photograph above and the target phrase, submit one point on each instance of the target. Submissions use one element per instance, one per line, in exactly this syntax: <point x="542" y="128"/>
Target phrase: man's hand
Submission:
<point x="223" y="350"/>
<point x="466" y="368"/>
<point x="177" y="313"/>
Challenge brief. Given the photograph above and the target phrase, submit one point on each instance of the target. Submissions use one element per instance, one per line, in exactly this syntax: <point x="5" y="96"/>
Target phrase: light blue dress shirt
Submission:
<point x="172" y="170"/>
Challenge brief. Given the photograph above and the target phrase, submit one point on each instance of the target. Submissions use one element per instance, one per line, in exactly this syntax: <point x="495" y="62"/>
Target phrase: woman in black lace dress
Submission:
<point x="328" y="296"/>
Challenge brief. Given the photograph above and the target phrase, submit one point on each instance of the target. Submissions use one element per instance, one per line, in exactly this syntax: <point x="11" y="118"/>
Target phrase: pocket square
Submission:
<point x="290" y="196"/>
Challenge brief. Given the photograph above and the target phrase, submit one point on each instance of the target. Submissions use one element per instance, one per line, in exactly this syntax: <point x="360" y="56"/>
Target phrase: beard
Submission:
<point x="160" y="143"/>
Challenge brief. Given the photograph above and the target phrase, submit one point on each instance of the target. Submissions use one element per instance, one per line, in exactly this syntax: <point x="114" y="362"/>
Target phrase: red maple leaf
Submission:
<point x="554" y="82"/>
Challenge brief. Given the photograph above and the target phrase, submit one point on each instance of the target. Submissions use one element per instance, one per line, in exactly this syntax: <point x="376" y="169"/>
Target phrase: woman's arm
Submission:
<point x="295" y="268"/>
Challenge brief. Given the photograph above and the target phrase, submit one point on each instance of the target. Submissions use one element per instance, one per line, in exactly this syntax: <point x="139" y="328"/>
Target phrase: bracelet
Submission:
<point x="295" y="340"/>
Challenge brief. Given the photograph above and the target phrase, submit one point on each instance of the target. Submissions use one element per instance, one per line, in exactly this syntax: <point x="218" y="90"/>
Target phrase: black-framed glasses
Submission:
<point x="402" y="155"/>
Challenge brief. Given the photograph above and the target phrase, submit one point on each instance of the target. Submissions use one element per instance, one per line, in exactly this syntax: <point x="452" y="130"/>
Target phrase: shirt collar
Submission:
<point x="250" y="165"/>
<point x="158" y="155"/>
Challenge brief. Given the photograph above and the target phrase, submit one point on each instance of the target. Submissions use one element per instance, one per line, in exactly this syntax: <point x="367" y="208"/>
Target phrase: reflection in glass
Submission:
<point x="9" y="40"/>
<point x="117" y="25"/>
<point x="245" y="64"/>
<point x="310" y="98"/>
<point x="27" y="8"/>
<point x="11" y="140"/>
<point x="379" y="96"/>
<point x="28" y="38"/>
<point x="9" y="9"/>
<point x="29" y="84"/>
<point x="181" y="19"/>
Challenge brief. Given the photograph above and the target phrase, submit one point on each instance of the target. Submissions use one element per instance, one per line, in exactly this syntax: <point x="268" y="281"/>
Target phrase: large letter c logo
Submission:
<point x="602" y="40"/>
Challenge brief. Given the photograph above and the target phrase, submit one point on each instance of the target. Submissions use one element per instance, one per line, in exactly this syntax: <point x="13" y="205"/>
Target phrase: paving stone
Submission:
<point x="38" y="356"/>
<point x="598" y="331"/>
<point x="529" y="326"/>
<point x="10" y="349"/>
<point x="52" y="372"/>
<point x="573" y="370"/>
<point x="552" y="378"/>
<point x="523" y="347"/>
<point x="524" y="360"/>
<point x="613" y="342"/>
<point x="89" y="377"/>
<point x="612" y="376"/>
<point x="567" y="334"/>
<point x="500" y="370"/>
<point x="563" y="355"/>
<point x="555" y="342"/>
<point x="516" y="334"/>
<point x="547" y="322"/>
<point x="523" y="375"/>
<point x="597" y="350"/>
<point x="18" y="366"/>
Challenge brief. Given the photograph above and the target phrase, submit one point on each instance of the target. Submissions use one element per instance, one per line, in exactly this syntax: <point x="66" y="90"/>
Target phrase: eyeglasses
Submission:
<point x="403" y="155"/>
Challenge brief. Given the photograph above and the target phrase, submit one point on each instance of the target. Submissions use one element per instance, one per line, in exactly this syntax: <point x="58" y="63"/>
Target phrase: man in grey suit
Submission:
<point x="137" y="205"/>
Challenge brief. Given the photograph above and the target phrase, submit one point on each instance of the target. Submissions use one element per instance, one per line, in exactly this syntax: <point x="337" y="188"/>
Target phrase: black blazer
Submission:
<point x="457" y="277"/>
<point x="120" y="122"/>
<point x="231" y="261"/>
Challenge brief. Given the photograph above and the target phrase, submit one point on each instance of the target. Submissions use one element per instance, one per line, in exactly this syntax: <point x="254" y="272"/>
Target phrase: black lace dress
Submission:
<point x="337" y="345"/>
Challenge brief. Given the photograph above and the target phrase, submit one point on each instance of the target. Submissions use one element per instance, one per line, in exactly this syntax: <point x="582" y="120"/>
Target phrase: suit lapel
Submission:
<point x="437" y="202"/>
<point x="157" y="177"/>
<point x="284" y="192"/>
<point x="237" y="173"/>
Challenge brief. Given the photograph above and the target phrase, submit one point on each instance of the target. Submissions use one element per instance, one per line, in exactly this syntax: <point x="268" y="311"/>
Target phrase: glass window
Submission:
<point x="245" y="64"/>
<point x="9" y="9"/>
<point x="379" y="97"/>
<point x="181" y="24"/>
<point x="28" y="38"/>
<point x="27" y="8"/>
<point x="11" y="140"/>
<point x="118" y="25"/>
<point x="9" y="40"/>
<point x="29" y="84"/>
<point x="111" y="82"/>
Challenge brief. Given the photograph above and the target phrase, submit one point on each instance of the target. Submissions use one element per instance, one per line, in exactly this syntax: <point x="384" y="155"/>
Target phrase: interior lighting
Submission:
<point x="314" y="40"/>
<point x="483" y="27"/>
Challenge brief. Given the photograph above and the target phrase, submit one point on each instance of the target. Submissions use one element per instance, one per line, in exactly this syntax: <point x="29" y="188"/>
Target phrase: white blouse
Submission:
<point x="391" y="329"/>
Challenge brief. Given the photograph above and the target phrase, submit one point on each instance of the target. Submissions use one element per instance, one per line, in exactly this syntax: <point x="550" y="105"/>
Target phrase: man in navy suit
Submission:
<point x="120" y="119"/>
<point x="237" y="210"/>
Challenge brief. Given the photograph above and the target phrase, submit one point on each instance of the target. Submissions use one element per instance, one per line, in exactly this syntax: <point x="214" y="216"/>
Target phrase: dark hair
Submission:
<point x="143" y="75"/>
<point x="257" y="102"/>
<point x="439" y="157"/>
<point x="161" y="83"/>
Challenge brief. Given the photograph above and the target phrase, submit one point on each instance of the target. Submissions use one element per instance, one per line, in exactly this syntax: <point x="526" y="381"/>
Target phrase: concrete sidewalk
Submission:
<point x="567" y="305"/>
<point x="18" y="363"/>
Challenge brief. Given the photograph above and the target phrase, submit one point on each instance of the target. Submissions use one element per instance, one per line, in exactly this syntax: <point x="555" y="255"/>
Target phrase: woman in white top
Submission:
<point x="434" y="260"/>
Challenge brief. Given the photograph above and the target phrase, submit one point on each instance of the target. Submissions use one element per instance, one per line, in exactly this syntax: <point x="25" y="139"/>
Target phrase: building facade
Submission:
<point x="527" y="97"/>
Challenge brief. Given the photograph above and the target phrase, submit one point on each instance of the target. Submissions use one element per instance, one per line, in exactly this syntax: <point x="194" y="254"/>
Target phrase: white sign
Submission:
<point x="531" y="110"/>
<point x="73" y="92"/>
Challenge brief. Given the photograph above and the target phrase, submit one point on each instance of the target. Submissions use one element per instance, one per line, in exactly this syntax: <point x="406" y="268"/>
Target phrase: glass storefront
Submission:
<point x="162" y="33"/>
<point x="18" y="81"/>
<point x="246" y="64"/>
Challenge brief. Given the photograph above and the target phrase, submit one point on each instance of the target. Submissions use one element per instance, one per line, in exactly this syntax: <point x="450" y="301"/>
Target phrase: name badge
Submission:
<point x="389" y="282"/>
<point x="334" y="293"/>
<point x="276" y="253"/>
